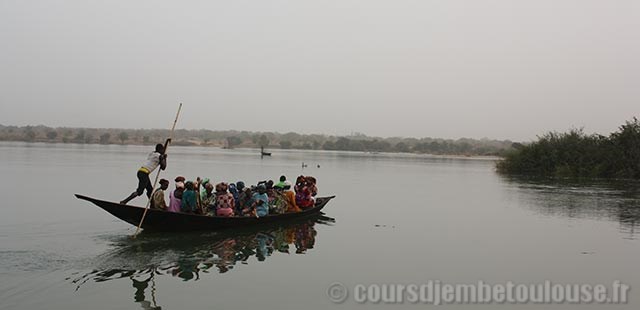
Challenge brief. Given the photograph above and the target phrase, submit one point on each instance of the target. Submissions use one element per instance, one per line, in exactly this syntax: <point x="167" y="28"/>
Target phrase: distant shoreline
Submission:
<point x="275" y="150"/>
<point x="254" y="140"/>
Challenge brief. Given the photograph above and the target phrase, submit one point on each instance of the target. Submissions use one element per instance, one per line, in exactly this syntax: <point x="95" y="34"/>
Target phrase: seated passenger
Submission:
<point x="240" y="189"/>
<point x="201" y="187"/>
<point x="189" y="200"/>
<point x="312" y="185"/>
<point x="279" y="205"/>
<point x="270" y="193"/>
<point x="269" y="185"/>
<point x="157" y="199"/>
<point x="290" y="198"/>
<point x="175" y="196"/>
<point x="281" y="184"/>
<point x="260" y="201"/>
<point x="224" y="201"/>
<point x="207" y="202"/>
<point x="300" y="180"/>
<point x="304" y="198"/>
<point x="234" y="191"/>
<point x="244" y="201"/>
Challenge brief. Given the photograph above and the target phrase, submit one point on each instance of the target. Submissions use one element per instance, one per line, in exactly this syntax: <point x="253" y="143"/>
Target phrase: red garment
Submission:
<point x="225" y="203"/>
<point x="303" y="197"/>
<point x="226" y="212"/>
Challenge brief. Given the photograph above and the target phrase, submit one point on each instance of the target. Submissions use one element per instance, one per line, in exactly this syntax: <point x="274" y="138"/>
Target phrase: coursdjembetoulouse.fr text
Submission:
<point x="440" y="293"/>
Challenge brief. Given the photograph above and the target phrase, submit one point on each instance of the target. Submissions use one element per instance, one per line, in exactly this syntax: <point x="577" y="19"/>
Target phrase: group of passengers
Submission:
<point x="223" y="199"/>
<point x="236" y="199"/>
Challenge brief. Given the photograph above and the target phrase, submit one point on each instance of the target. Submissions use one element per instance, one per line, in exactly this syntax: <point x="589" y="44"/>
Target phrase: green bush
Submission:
<point x="577" y="155"/>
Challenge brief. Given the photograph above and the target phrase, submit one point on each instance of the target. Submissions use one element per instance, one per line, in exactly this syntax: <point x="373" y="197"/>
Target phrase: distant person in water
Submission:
<point x="154" y="159"/>
<point x="157" y="199"/>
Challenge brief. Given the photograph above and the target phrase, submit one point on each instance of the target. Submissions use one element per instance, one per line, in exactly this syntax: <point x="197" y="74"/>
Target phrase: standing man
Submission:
<point x="155" y="159"/>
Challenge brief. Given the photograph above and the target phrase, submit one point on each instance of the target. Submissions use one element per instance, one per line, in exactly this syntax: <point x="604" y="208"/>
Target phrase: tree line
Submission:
<point x="231" y="139"/>
<point x="575" y="154"/>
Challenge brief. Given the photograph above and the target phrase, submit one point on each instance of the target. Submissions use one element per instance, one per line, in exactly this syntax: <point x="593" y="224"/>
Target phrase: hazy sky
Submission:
<point x="506" y="69"/>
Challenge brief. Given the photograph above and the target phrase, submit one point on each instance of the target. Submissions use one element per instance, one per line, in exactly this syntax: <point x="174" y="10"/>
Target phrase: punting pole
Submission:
<point x="166" y="147"/>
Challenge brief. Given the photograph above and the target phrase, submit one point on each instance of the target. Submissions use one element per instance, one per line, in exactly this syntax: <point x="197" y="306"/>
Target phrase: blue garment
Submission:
<point x="234" y="191"/>
<point x="261" y="249"/>
<point x="189" y="201"/>
<point x="262" y="208"/>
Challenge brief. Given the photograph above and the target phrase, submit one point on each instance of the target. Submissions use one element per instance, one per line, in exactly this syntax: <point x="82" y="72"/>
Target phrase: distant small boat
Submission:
<point x="159" y="220"/>
<point x="263" y="153"/>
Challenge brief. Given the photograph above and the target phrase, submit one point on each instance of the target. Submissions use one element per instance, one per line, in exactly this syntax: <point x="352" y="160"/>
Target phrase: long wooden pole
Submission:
<point x="166" y="147"/>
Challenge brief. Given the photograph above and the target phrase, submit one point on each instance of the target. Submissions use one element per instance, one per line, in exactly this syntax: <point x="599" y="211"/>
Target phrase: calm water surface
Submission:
<point x="396" y="219"/>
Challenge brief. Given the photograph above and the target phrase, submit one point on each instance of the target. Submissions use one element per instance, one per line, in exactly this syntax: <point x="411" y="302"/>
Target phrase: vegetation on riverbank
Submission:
<point x="232" y="139"/>
<point x="575" y="154"/>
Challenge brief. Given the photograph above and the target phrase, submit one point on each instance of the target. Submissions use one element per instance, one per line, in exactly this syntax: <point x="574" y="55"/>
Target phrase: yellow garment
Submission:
<point x="290" y="197"/>
<point x="290" y="235"/>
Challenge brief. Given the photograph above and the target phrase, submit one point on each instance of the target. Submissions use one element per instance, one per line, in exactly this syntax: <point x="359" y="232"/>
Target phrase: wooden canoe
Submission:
<point x="159" y="220"/>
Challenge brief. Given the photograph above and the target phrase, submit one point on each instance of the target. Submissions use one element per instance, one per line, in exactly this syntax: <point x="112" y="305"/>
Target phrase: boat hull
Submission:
<point x="159" y="220"/>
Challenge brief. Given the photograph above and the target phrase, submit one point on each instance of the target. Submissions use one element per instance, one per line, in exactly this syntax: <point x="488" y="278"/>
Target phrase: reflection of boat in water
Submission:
<point x="189" y="256"/>
<point x="159" y="220"/>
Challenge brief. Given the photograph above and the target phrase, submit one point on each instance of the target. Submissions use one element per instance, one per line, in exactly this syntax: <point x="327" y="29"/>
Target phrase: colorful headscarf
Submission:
<point x="222" y="187"/>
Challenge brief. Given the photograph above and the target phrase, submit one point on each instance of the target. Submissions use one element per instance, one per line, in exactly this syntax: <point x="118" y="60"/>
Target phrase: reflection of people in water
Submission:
<point x="226" y="253"/>
<point x="201" y="254"/>
<point x="139" y="297"/>
<point x="264" y="247"/>
<point x="305" y="238"/>
<point x="186" y="269"/>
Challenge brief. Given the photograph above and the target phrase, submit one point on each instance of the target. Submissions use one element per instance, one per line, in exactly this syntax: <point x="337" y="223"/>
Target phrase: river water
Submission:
<point x="397" y="219"/>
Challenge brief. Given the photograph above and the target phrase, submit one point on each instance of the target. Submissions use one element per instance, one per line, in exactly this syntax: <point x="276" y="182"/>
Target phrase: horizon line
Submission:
<point x="353" y="134"/>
